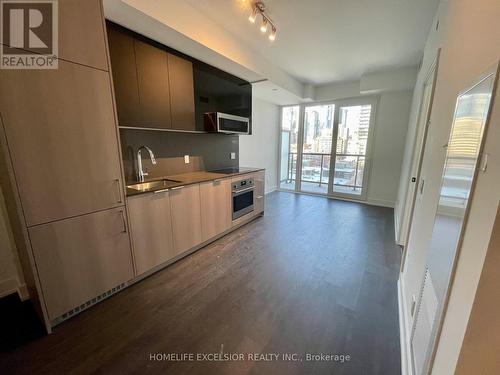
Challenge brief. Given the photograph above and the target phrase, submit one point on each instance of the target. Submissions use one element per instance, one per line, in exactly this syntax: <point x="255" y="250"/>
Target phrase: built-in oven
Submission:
<point x="225" y="123"/>
<point x="242" y="197"/>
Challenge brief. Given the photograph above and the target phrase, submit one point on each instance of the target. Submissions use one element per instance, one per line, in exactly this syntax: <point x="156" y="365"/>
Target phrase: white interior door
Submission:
<point x="417" y="182"/>
<point x="463" y="152"/>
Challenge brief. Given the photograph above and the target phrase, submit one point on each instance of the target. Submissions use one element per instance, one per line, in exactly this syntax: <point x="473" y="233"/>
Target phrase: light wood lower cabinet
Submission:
<point x="259" y="194"/>
<point x="186" y="217"/>
<point x="215" y="207"/>
<point x="80" y="258"/>
<point x="151" y="230"/>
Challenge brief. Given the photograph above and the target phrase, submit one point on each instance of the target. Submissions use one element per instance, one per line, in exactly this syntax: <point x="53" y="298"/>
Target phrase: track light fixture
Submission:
<point x="260" y="8"/>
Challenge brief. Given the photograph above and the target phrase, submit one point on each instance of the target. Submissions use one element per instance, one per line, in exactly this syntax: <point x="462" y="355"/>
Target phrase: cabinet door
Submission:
<point x="215" y="207"/>
<point x="81" y="33"/>
<point x="151" y="230"/>
<point x="154" y="92"/>
<point x="180" y="73"/>
<point x="186" y="217"/>
<point x="259" y="196"/>
<point x="122" y="56"/>
<point x="80" y="258"/>
<point x="62" y="139"/>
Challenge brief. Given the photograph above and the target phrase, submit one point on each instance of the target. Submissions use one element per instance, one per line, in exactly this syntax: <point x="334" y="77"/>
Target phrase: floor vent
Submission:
<point x="88" y="304"/>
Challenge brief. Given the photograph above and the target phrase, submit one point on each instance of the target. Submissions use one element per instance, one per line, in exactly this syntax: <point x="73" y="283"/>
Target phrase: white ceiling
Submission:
<point x="324" y="41"/>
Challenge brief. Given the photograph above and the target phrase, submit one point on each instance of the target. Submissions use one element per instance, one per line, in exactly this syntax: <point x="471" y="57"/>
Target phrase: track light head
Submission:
<point x="253" y="16"/>
<point x="263" y="27"/>
<point x="272" y="36"/>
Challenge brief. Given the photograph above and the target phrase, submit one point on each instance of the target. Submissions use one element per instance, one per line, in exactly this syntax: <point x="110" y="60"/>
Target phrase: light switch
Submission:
<point x="233" y="155"/>
<point x="186" y="159"/>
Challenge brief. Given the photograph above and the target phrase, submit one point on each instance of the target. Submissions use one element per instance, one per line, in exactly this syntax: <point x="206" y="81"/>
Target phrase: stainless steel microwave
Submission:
<point x="218" y="122"/>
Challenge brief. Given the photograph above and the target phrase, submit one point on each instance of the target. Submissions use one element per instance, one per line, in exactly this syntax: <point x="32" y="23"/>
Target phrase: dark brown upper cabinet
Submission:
<point x="154" y="88"/>
<point x="122" y="56"/>
<point x="180" y="73"/>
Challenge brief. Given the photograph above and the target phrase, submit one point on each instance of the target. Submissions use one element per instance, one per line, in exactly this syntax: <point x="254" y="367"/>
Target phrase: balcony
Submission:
<point x="348" y="176"/>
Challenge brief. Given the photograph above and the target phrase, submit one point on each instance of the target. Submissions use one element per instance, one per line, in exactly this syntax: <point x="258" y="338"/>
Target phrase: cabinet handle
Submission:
<point x="176" y="188"/>
<point x="119" y="186"/>
<point x="123" y="222"/>
<point x="161" y="191"/>
<point x="260" y="197"/>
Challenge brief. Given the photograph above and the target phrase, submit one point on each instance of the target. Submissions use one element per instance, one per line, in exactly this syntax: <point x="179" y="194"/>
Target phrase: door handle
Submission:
<point x="123" y="222"/>
<point x="422" y="186"/>
<point x="484" y="163"/>
<point x="119" y="188"/>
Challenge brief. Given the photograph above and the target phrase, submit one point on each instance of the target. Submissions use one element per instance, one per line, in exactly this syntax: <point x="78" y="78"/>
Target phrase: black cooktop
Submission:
<point x="234" y="170"/>
<point x="228" y="170"/>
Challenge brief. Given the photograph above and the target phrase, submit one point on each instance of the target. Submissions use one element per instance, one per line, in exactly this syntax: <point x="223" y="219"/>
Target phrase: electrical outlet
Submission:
<point x="186" y="159"/>
<point x="233" y="155"/>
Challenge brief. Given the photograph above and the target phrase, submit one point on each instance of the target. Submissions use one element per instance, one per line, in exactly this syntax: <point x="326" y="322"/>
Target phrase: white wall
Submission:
<point x="261" y="148"/>
<point x="388" y="147"/>
<point x="469" y="35"/>
<point x="9" y="276"/>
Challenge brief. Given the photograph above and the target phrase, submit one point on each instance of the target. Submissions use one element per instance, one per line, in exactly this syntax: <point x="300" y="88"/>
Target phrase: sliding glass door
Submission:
<point x="351" y="148"/>
<point x="316" y="148"/>
<point x="325" y="147"/>
<point x="288" y="147"/>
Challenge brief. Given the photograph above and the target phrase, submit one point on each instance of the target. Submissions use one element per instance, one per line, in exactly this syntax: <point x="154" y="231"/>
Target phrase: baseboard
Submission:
<point x="8" y="286"/>
<point x="380" y="202"/>
<point x="396" y="223"/>
<point x="404" y="332"/>
<point x="274" y="188"/>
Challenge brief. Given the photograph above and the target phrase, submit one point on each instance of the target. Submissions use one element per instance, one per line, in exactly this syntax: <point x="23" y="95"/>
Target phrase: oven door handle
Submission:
<point x="238" y="192"/>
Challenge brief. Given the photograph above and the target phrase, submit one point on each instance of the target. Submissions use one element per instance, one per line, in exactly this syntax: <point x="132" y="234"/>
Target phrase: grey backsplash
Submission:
<point x="206" y="152"/>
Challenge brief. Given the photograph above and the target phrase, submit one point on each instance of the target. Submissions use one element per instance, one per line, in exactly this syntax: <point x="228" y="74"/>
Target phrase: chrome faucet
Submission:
<point x="140" y="172"/>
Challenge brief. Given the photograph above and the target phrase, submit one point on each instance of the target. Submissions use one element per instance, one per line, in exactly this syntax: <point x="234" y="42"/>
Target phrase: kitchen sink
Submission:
<point x="153" y="185"/>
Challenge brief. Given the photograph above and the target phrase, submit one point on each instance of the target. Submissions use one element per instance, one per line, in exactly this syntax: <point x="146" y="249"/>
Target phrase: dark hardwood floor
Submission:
<point x="313" y="275"/>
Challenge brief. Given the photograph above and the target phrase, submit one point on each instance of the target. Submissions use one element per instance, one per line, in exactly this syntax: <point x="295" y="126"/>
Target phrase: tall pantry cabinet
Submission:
<point x="62" y="170"/>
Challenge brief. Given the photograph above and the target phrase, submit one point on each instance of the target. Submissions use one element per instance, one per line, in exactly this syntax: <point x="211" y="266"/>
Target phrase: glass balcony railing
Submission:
<point x="348" y="172"/>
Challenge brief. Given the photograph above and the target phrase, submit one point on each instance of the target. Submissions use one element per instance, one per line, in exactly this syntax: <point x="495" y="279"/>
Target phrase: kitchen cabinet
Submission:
<point x="81" y="33"/>
<point x="215" y="207"/>
<point x="80" y="258"/>
<point x="186" y="217"/>
<point x="151" y="230"/>
<point x="153" y="88"/>
<point x="180" y="73"/>
<point x="62" y="140"/>
<point x="153" y="83"/>
<point x="259" y="195"/>
<point x="122" y="56"/>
